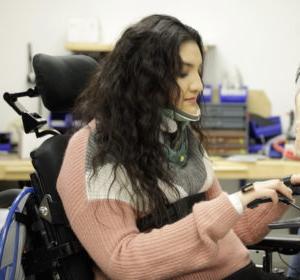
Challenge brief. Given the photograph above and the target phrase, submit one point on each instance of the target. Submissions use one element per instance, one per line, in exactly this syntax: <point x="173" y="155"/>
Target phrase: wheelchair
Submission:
<point x="36" y="241"/>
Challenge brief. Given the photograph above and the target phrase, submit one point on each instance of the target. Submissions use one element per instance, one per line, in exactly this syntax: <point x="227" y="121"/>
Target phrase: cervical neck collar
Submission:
<point x="177" y="154"/>
<point x="180" y="116"/>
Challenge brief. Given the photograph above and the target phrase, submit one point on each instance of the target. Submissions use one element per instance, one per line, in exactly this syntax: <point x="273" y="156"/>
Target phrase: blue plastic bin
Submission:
<point x="60" y="120"/>
<point x="5" y="142"/>
<point x="273" y="129"/>
<point x="233" y="95"/>
<point x="206" y="96"/>
<point x="255" y="148"/>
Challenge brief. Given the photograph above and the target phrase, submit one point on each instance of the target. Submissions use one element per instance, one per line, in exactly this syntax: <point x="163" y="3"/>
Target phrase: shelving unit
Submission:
<point x="226" y="126"/>
<point x="88" y="47"/>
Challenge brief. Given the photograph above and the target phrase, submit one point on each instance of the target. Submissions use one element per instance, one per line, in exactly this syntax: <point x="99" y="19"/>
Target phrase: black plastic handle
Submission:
<point x="256" y="202"/>
<point x="259" y="201"/>
<point x="295" y="187"/>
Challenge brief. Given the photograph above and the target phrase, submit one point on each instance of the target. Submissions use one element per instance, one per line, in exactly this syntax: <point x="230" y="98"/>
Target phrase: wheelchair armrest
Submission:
<point x="7" y="197"/>
<point x="291" y="224"/>
<point x="287" y="245"/>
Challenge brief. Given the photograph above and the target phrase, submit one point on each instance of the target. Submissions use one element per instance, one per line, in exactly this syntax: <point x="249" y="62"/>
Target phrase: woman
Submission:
<point x="141" y="150"/>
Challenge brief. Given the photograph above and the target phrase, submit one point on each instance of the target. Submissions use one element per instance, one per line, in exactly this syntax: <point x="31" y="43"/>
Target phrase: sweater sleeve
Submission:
<point x="107" y="229"/>
<point x="253" y="223"/>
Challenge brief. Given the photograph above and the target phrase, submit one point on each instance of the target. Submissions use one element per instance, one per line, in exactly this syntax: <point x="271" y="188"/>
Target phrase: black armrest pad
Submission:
<point x="282" y="244"/>
<point x="291" y="223"/>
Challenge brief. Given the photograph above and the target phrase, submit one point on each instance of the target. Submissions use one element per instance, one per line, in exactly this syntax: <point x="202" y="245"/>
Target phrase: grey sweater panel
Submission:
<point x="192" y="176"/>
<point x="189" y="178"/>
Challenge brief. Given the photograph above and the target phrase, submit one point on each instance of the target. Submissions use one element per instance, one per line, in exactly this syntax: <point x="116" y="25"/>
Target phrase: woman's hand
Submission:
<point x="268" y="189"/>
<point x="295" y="179"/>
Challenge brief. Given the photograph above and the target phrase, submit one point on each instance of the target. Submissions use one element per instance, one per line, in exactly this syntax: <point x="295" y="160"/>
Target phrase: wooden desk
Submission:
<point x="88" y="47"/>
<point x="99" y="47"/>
<point x="14" y="169"/>
<point x="261" y="169"/>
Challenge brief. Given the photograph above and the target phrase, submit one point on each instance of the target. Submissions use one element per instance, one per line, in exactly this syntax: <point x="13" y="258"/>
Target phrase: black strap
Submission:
<point x="175" y="211"/>
<point x="295" y="187"/>
<point x="58" y="215"/>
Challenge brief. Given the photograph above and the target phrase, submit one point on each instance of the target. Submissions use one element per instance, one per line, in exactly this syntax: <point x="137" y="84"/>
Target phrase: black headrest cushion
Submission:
<point x="60" y="79"/>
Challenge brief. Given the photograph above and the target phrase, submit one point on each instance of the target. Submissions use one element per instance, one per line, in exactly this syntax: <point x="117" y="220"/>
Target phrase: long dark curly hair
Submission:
<point x="125" y="98"/>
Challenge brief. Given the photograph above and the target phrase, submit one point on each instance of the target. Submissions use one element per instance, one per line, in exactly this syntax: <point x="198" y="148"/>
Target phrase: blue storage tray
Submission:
<point x="206" y="96"/>
<point x="60" y="120"/>
<point x="273" y="129"/>
<point x="233" y="95"/>
<point x="5" y="147"/>
<point x="5" y="142"/>
<point x="274" y="154"/>
<point x="254" y="148"/>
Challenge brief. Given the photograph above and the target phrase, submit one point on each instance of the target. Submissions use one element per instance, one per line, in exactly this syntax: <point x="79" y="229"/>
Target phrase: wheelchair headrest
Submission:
<point x="60" y="79"/>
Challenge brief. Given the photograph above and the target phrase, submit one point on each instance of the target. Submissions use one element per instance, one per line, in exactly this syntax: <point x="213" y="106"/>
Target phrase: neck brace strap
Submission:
<point x="181" y="116"/>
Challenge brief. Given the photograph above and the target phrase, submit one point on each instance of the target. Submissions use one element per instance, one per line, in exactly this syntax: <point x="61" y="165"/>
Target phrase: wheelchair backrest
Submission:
<point x="53" y="251"/>
<point x="47" y="160"/>
<point x="71" y="261"/>
<point x="59" y="80"/>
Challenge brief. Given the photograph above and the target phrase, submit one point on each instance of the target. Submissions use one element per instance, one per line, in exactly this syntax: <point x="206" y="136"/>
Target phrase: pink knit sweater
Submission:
<point x="206" y="244"/>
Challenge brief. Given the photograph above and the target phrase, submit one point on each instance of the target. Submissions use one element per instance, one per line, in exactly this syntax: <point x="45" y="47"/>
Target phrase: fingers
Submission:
<point x="266" y="184"/>
<point x="272" y="189"/>
<point x="283" y="189"/>
<point x="272" y="194"/>
<point x="295" y="179"/>
<point x="276" y="185"/>
<point x="263" y="192"/>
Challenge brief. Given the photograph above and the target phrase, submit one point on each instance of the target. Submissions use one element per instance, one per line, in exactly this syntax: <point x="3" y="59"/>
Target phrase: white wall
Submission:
<point x="260" y="37"/>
